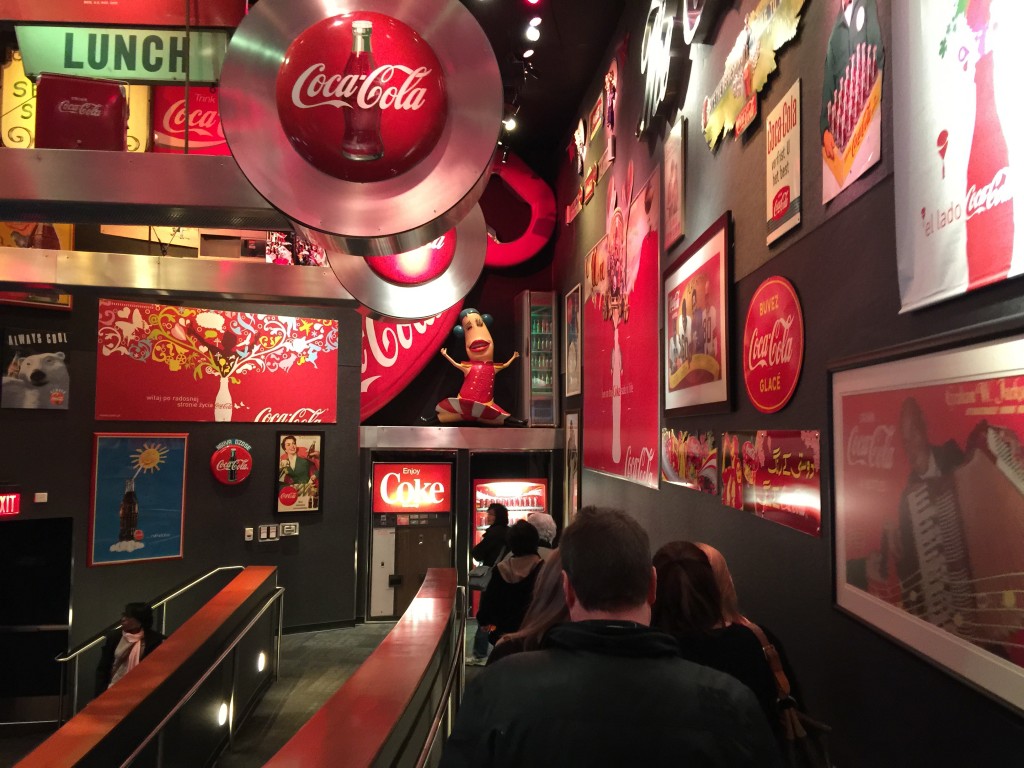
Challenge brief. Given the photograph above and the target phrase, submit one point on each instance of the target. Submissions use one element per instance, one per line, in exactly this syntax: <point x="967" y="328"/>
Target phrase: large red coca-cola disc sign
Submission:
<point x="773" y="345"/>
<point x="417" y="266"/>
<point x="361" y="96"/>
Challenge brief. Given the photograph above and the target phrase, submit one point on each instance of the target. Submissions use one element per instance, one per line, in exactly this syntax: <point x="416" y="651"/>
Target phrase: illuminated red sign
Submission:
<point x="412" y="488"/>
<point x="10" y="504"/>
<point x="417" y="266"/>
<point x="773" y="345"/>
<point x="361" y="96"/>
<point x="205" y="135"/>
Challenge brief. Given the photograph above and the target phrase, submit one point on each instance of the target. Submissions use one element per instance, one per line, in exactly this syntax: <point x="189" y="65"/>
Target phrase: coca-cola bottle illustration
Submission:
<point x="989" y="195"/>
<point x="128" y="515"/>
<point x="362" y="139"/>
<point x="233" y="466"/>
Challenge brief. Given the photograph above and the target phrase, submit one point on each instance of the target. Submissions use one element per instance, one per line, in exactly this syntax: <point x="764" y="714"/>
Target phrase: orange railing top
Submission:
<point x="358" y="719"/>
<point x="84" y="734"/>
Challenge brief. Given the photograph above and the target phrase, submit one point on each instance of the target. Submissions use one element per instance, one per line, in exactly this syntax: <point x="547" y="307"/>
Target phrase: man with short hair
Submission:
<point x="605" y="689"/>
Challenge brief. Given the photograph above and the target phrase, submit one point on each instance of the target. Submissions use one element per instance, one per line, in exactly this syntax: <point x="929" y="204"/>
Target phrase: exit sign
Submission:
<point x="10" y="503"/>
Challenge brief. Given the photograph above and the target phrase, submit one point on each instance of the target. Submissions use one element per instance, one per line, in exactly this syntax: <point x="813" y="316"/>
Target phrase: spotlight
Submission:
<point x="535" y="21"/>
<point x="222" y="714"/>
<point x="532" y="34"/>
<point x="261" y="662"/>
<point x="528" y="53"/>
<point x="510" y="124"/>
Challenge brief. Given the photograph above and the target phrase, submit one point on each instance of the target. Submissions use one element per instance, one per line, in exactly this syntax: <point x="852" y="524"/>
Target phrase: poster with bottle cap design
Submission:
<point x="957" y="143"/>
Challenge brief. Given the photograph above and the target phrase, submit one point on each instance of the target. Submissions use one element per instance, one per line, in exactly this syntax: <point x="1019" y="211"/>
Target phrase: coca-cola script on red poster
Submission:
<point x="395" y="353"/>
<point x="205" y="135"/>
<point x="166" y="363"/>
<point x="773" y="345"/>
<point x="361" y="97"/>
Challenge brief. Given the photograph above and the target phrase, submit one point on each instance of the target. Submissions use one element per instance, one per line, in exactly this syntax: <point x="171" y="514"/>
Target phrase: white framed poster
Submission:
<point x="782" y="171"/>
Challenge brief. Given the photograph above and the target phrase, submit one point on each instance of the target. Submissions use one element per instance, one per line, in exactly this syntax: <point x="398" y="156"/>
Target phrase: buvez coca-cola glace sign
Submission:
<point x="361" y="96"/>
<point x="773" y="345"/>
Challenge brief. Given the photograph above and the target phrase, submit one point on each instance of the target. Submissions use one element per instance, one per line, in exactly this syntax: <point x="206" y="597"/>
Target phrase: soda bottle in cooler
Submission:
<point x="361" y="141"/>
<point x="989" y="204"/>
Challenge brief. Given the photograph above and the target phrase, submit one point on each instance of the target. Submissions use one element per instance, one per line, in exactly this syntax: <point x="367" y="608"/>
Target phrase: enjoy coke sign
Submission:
<point x="412" y="488"/>
<point x="361" y="97"/>
<point x="773" y="345"/>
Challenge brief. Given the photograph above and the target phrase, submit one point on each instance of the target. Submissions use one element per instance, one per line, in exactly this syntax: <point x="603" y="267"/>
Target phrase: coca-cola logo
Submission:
<point x="773" y="345"/>
<point x="82" y="108"/>
<point x="996" y="192"/>
<point x="780" y="204"/>
<point x="872" y="447"/>
<point x="308" y="415"/>
<point x="201" y="122"/>
<point x="404" y="487"/>
<point x="361" y="97"/>
<point x="394" y="354"/>
<point x="417" y="266"/>
<point x="231" y="462"/>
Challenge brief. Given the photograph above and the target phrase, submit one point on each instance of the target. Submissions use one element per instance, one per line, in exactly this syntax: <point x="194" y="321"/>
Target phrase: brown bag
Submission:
<point x="805" y="743"/>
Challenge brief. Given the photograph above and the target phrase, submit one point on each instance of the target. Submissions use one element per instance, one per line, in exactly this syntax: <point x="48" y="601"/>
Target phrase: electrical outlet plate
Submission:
<point x="248" y="534"/>
<point x="289" y="529"/>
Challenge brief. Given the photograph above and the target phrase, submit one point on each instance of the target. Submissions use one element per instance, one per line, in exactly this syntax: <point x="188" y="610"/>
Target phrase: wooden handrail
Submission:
<point x="109" y="728"/>
<point x="356" y="722"/>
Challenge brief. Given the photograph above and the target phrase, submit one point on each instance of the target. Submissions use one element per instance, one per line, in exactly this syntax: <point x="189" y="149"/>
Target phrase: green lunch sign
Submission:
<point x="137" y="55"/>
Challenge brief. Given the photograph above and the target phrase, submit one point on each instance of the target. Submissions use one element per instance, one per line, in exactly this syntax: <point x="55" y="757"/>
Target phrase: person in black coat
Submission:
<point x="491" y="547"/>
<point x="503" y="605"/>
<point x="127" y="645"/>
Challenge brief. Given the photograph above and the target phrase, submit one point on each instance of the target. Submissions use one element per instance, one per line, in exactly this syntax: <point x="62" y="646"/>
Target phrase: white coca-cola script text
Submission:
<point x="314" y="88"/>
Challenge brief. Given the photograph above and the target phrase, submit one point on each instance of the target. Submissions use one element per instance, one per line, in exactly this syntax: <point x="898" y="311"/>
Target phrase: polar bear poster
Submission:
<point x="35" y="370"/>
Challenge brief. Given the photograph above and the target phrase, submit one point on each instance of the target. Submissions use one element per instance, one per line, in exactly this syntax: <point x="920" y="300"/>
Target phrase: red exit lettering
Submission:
<point x="10" y="504"/>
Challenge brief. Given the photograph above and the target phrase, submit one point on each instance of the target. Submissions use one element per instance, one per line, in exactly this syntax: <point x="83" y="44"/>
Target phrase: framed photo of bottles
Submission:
<point x="138" y="497"/>
<point x="300" y="465"/>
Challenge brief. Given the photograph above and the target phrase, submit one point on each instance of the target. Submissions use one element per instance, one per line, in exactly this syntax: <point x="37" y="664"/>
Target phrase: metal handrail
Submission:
<point x="74" y="653"/>
<point x="278" y="595"/>
<point x="455" y="670"/>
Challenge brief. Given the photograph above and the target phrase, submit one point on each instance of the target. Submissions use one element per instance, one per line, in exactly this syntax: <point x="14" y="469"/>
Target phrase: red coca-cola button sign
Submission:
<point x="417" y="266"/>
<point x="361" y="96"/>
<point x="231" y="462"/>
<point x="773" y="345"/>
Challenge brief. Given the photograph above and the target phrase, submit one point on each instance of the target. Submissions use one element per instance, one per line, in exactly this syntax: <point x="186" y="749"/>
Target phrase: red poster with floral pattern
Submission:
<point x="164" y="363"/>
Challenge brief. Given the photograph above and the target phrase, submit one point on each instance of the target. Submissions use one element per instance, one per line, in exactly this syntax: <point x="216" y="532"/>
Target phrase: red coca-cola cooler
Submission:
<point x="81" y="113"/>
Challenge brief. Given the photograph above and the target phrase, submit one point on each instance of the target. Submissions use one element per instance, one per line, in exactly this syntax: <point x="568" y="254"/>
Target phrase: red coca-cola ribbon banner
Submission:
<point x="412" y="488"/>
<point x="231" y="462"/>
<point x="166" y="363"/>
<point x="395" y="353"/>
<point x="534" y="231"/>
<point x="773" y="345"/>
<point x="205" y="134"/>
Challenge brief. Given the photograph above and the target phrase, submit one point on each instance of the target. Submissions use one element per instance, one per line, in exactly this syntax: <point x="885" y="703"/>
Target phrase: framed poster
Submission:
<point x="35" y="369"/>
<point x="929" y="507"/>
<point x="138" y="497"/>
<point x="675" y="184"/>
<point x="41" y="298"/>
<point x="620" y="327"/>
<point x="690" y="459"/>
<point x="782" y="165"/>
<point x="572" y="466"/>
<point x="596" y="117"/>
<point x="572" y="336"/>
<point x="696" y="350"/>
<point x="300" y="471"/>
<point x="166" y="363"/>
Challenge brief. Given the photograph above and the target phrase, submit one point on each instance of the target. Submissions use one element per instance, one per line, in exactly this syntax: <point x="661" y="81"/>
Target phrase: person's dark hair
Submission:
<point x="688" y="601"/>
<point x="141" y="613"/>
<point x="459" y="331"/>
<point x="607" y="556"/>
<point x="286" y="438"/>
<point x="547" y="606"/>
<point x="523" y="539"/>
<point x="500" y="512"/>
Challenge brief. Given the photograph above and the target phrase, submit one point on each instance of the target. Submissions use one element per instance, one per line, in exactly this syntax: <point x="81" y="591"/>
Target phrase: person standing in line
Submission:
<point x="547" y="530"/>
<point x="491" y="547"/>
<point x="547" y="608"/>
<point x="127" y="645"/>
<point x="504" y="603"/>
<point x="605" y="689"/>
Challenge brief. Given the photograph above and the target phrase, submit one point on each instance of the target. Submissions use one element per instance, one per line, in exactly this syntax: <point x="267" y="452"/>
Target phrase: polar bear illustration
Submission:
<point x="42" y="381"/>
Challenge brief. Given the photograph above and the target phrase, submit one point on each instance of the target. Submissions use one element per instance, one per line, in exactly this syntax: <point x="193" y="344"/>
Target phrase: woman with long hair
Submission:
<point x="547" y="608"/>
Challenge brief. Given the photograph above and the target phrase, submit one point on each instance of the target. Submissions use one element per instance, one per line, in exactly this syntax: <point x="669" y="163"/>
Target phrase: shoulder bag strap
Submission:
<point x="772" y="655"/>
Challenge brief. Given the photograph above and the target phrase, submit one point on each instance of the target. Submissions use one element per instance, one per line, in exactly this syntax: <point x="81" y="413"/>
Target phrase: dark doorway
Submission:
<point x="418" y="548"/>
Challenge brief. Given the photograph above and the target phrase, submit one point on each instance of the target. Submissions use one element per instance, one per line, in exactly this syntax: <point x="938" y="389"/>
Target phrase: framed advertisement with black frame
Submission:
<point x="929" y="501"/>
<point x="695" y="351"/>
<point x="300" y="471"/>
<point x="573" y="440"/>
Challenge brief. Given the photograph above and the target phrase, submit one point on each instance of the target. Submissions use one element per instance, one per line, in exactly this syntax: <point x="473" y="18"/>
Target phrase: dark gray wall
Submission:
<point x="888" y="706"/>
<point x="51" y="451"/>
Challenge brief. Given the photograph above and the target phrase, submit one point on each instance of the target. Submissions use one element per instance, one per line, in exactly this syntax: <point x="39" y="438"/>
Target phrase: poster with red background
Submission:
<point x="621" y="342"/>
<point x="165" y="363"/>
<point x="205" y="133"/>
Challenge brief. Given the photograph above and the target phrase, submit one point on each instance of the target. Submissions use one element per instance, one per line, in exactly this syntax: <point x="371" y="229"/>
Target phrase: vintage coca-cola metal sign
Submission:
<point x="371" y="123"/>
<point x="395" y="353"/>
<point x="773" y="345"/>
<point x="201" y="121"/>
<point x="231" y="462"/>
<point x="81" y="113"/>
<point x="361" y="97"/>
<point x="412" y="488"/>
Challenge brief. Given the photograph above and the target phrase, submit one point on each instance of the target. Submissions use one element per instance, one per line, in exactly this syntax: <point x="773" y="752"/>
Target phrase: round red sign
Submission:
<point x="417" y="266"/>
<point x="773" y="345"/>
<point x="231" y="463"/>
<point x="361" y="96"/>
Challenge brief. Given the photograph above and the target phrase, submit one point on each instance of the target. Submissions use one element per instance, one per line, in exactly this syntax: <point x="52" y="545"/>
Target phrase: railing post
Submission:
<point x="280" y="625"/>
<point x="74" y="690"/>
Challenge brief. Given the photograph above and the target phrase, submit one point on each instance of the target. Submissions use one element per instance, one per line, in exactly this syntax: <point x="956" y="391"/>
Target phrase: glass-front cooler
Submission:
<point x="536" y="321"/>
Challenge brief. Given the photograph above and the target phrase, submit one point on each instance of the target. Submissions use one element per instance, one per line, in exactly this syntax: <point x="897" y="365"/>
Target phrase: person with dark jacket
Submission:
<point x="491" y="547"/>
<point x="127" y="645"/>
<point x="507" y="597"/>
<point x="605" y="689"/>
